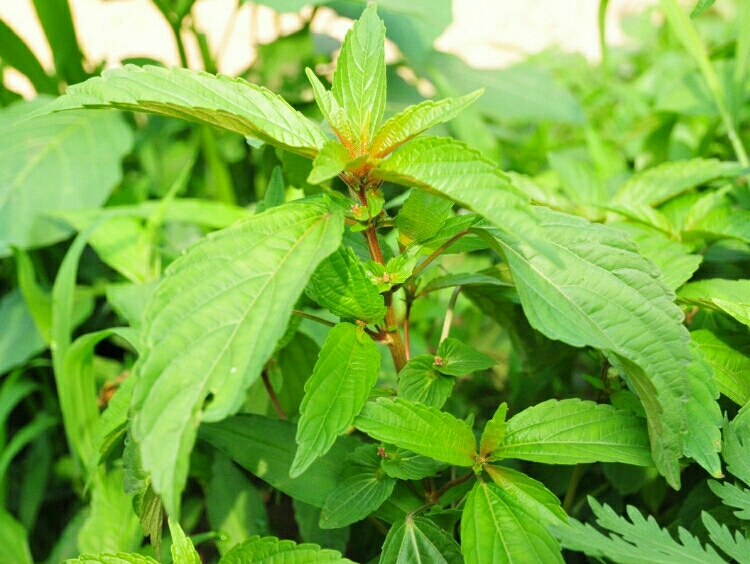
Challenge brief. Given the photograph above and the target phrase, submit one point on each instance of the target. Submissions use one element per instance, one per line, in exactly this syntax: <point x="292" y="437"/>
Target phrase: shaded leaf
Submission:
<point x="24" y="341"/>
<point x="416" y="539"/>
<point x="307" y="518"/>
<point x="736" y="446"/>
<point x="419" y="381"/>
<point x="340" y="384"/>
<point x="425" y="430"/>
<point x="14" y="540"/>
<point x="729" y="356"/>
<point x="212" y="324"/>
<point x="730" y="296"/>
<point x="405" y="464"/>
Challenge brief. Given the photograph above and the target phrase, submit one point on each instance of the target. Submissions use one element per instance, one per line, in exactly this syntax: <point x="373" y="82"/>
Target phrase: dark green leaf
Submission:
<point x="346" y="371"/>
<point x="307" y="518"/>
<point x="736" y="447"/>
<point x="700" y="7"/>
<point x="296" y="361"/>
<point x="57" y="22"/>
<point x="15" y="53"/>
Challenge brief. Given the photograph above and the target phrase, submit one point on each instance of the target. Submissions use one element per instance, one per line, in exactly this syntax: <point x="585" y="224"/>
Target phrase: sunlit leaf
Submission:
<point x="270" y="550"/>
<point x="416" y="539"/>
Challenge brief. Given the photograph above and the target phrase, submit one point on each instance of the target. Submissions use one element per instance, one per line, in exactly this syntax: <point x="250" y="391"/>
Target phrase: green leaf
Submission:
<point x="417" y="119"/>
<point x="722" y="223"/>
<point x="231" y="297"/>
<point x="330" y="162"/>
<point x="233" y="506"/>
<point x="700" y="7"/>
<point x="528" y="493"/>
<point x="14" y="540"/>
<point x="405" y="464"/>
<point x="729" y="355"/>
<point x="737" y="547"/>
<point x="341" y="285"/>
<point x="15" y="53"/>
<point x="600" y="292"/>
<point x="307" y="518"/>
<point x="736" y="447"/>
<point x="363" y="487"/>
<point x="494" y="432"/>
<point x="266" y="448"/>
<point x="183" y="551"/>
<point x="421" y="217"/>
<point x="151" y="513"/>
<point x="416" y="539"/>
<point x="270" y="550"/>
<point x="224" y="102"/>
<point x="419" y="381"/>
<point x="359" y="81"/>
<point x="57" y="22"/>
<point x="425" y="430"/>
<point x="340" y="384"/>
<point x="41" y="423"/>
<point x="331" y="110"/>
<point x="24" y="341"/>
<point x="296" y="361"/>
<point x="574" y="431"/>
<point x="41" y="170"/>
<point x="640" y="541"/>
<point x="733" y="496"/>
<point x="496" y="528"/>
<point x="119" y="558"/>
<point x="656" y="185"/>
<point x="730" y="296"/>
<point x="703" y="440"/>
<point x="458" y="359"/>
<point x="112" y="525"/>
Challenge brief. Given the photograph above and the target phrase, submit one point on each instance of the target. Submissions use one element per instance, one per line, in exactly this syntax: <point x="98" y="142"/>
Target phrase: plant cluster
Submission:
<point x="330" y="327"/>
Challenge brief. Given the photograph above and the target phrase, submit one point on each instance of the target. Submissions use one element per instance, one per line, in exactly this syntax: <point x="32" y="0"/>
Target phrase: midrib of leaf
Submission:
<point x="496" y="523"/>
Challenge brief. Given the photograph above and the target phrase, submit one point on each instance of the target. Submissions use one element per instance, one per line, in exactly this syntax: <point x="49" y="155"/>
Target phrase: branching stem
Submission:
<point x="437" y="252"/>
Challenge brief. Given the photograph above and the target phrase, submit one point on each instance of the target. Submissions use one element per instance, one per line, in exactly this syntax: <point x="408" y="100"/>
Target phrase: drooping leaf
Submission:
<point x="417" y="119"/>
<point x="730" y="296"/>
<point x="15" y="541"/>
<point x="729" y="356"/>
<point x="183" y="551"/>
<point x="602" y="293"/>
<point x="496" y="528"/>
<point x="151" y="512"/>
<point x="24" y="341"/>
<point x="419" y="381"/>
<point x="224" y="102"/>
<point x="574" y="431"/>
<point x="425" y="430"/>
<point x="266" y="448"/>
<point x="346" y="371"/>
<point x="41" y="170"/>
<point x="417" y="539"/>
<point x="363" y="487"/>
<point x="639" y="541"/>
<point x="458" y="359"/>
<point x="656" y="185"/>
<point x="421" y="216"/>
<point x="213" y="323"/>
<point x="233" y="506"/>
<point x="341" y="285"/>
<point x="359" y="81"/>
<point x="270" y="550"/>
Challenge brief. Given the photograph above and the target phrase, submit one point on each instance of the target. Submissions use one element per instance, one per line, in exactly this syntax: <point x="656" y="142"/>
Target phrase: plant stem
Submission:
<point x="272" y="395"/>
<point x="448" y="485"/>
<point x="437" y="252"/>
<point x="312" y="317"/>
<point x="449" y="314"/>
<point x="180" y="44"/>
<point x="570" y="495"/>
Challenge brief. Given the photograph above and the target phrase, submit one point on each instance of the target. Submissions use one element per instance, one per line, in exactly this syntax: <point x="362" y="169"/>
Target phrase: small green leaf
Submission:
<point x="119" y="558"/>
<point x="152" y="518"/>
<point x="14" y="539"/>
<point x="307" y="518"/>
<point x="421" y="216"/>
<point x="296" y="361"/>
<point x="417" y="119"/>
<point x="457" y="358"/>
<point x="363" y="487"/>
<point x="183" y="551"/>
<point x="329" y="163"/>
<point x="574" y="431"/>
<point x="736" y="447"/>
<point x="359" y="81"/>
<point x="737" y="547"/>
<point x="15" y="53"/>
<point x="25" y="340"/>
<point x="730" y="296"/>
<point x="733" y="496"/>
<point x="341" y="285"/>
<point x="266" y="448"/>
<point x="729" y="355"/>
<point x="419" y="381"/>
<point x="57" y="22"/>
<point x="340" y="384"/>
<point x="494" y="432"/>
<point x="405" y="464"/>
<point x="331" y="110"/>
<point x="270" y="550"/>
<point x="224" y="102"/>
<point x="230" y="298"/>
<point x="700" y="7"/>
<point x="425" y="430"/>
<point x="496" y="528"/>
<point x="416" y="539"/>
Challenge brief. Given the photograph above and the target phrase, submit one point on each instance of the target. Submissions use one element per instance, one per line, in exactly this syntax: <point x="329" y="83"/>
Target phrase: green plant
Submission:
<point x="321" y="338"/>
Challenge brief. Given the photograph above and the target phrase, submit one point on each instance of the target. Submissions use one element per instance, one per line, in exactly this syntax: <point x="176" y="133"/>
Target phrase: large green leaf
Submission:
<point x="224" y="102"/>
<point x="530" y="494"/>
<point x="266" y="448"/>
<point x="417" y="119"/>
<point x="270" y="550"/>
<point x="359" y="81"/>
<point x="574" y="431"/>
<point x="600" y="292"/>
<point x="729" y="355"/>
<point x="363" y="487"/>
<point x="212" y="324"/>
<point x="341" y="285"/>
<point x="656" y="185"/>
<point x="41" y="169"/>
<point x="425" y="430"/>
<point x="417" y="540"/>
<point x="497" y="528"/>
<point x="730" y="296"/>
<point x="346" y="371"/>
